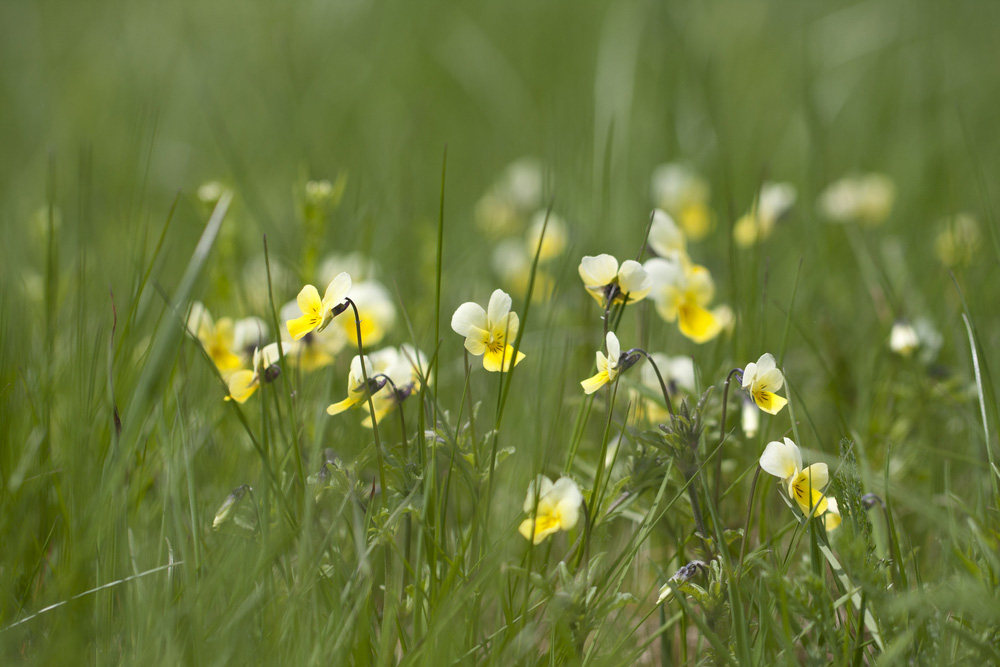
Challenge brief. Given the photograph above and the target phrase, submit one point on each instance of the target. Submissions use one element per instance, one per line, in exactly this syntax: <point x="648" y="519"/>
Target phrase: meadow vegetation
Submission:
<point x="536" y="333"/>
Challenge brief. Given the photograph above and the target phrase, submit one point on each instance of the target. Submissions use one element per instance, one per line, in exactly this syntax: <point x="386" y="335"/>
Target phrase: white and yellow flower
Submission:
<point x="554" y="507"/>
<point x="610" y="284"/>
<point x="406" y="367"/>
<point x="832" y="517"/>
<point x="682" y="292"/>
<point x="357" y="389"/>
<point x="903" y="339"/>
<point x="375" y="310"/>
<point x="217" y="337"/>
<point x="666" y="238"/>
<point x="761" y="380"/>
<point x="804" y="486"/>
<point x="315" y="349"/>
<point x="682" y="193"/>
<point x="243" y="383"/>
<point x="607" y="366"/>
<point x="773" y="202"/>
<point x="866" y="198"/>
<point x="488" y="332"/>
<point x="317" y="313"/>
<point x="554" y="242"/>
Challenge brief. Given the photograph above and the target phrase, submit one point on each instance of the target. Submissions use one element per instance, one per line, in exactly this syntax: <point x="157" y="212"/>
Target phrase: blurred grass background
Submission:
<point x="111" y="111"/>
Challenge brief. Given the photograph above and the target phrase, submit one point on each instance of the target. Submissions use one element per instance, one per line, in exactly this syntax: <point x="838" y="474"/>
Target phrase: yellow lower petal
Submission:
<point x="697" y="323"/>
<point x="808" y="498"/>
<point x="337" y="408"/>
<point x="300" y="326"/>
<point x="242" y="385"/>
<point x="492" y="359"/>
<point x="537" y="531"/>
<point x="769" y="402"/>
<point x="592" y="384"/>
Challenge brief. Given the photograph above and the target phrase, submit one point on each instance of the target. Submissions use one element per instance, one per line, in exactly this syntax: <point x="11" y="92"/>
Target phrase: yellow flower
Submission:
<point x="867" y="199"/>
<point x="357" y="390"/>
<point x="805" y="487"/>
<point x="487" y="332"/>
<point x="405" y="367"/>
<point x="243" y="383"/>
<point x="555" y="236"/>
<point x="682" y="292"/>
<point x="317" y="313"/>
<point x="375" y="310"/>
<point x="556" y="507"/>
<point x="607" y="366"/>
<point x="609" y="284"/>
<point x="316" y="349"/>
<point x="832" y="517"/>
<point x="761" y="380"/>
<point x="774" y="201"/>
<point x="218" y="338"/>
<point x="682" y="193"/>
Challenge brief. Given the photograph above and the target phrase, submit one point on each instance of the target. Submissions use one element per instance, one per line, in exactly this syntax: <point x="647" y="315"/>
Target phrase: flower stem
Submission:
<point x="722" y="431"/>
<point x="371" y="404"/>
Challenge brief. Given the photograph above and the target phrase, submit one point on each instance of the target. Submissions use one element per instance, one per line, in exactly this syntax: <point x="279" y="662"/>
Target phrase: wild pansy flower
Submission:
<point x="773" y="202"/>
<point x="903" y="339"/>
<point x="554" y="242"/>
<point x="610" y="284"/>
<point x="243" y="383"/>
<point x="555" y="506"/>
<point x="957" y="242"/>
<point x="502" y="210"/>
<point x="805" y="486"/>
<point x="749" y="417"/>
<point x="487" y="332"/>
<point x="761" y="380"/>
<point x="866" y="198"/>
<point x="832" y="517"/>
<point x="682" y="291"/>
<point x="608" y="366"/>
<point x="404" y="367"/>
<point x="357" y="390"/>
<point x="666" y="239"/>
<point x="217" y="337"/>
<point x="375" y="310"/>
<point x="316" y="349"/>
<point x="682" y="193"/>
<point x="318" y="313"/>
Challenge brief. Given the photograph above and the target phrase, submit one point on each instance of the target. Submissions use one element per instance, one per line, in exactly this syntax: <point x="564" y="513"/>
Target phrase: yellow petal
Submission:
<point x="492" y="360"/>
<point x="592" y="384"/>
<point x="697" y="323"/>
<point x="242" y="385"/>
<point x="337" y="408"/>
<point x="769" y="402"/>
<point x="309" y="301"/>
<point x="300" y="326"/>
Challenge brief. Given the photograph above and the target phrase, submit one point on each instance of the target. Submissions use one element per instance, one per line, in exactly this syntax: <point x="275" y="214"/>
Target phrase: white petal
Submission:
<point x="614" y="348"/>
<point x="337" y="290"/>
<point x="778" y="460"/>
<point x="468" y="315"/>
<point x="598" y="271"/>
<point x="541" y="486"/>
<point x="498" y="307"/>
<point x="633" y="280"/>
<point x="665" y="237"/>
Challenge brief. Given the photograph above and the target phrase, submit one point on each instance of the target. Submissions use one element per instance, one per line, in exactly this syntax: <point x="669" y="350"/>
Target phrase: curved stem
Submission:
<point x="663" y="385"/>
<point x="371" y="404"/>
<point x="722" y="431"/>
<point x="399" y="408"/>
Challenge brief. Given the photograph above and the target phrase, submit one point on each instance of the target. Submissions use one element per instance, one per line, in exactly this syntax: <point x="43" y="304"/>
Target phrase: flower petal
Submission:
<point x="593" y="383"/>
<point x="498" y="308"/>
<point x="309" y="301"/>
<point x="634" y="281"/>
<point x="779" y="459"/>
<point x="468" y="315"/>
<point x="337" y="290"/>
<point x="492" y="360"/>
<point x="598" y="271"/>
<point x="614" y="348"/>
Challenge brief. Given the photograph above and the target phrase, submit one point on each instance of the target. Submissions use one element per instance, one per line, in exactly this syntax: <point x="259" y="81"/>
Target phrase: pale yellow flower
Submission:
<point x="376" y="311"/>
<point x="682" y="292"/>
<point x="405" y="367"/>
<point x="555" y="506"/>
<point x="555" y="236"/>
<point x="316" y="349"/>
<point x="666" y="238"/>
<point x="607" y="366"/>
<point x="761" y="380"/>
<point x="773" y="202"/>
<point x="357" y="390"/>
<point x="243" y="383"/>
<point x="610" y="284"/>
<point x="318" y="313"/>
<point x="832" y="517"/>
<point x="866" y="198"/>
<point x="804" y="486"/>
<point x="488" y="332"/>
<point x="682" y="193"/>
<point x="217" y="337"/>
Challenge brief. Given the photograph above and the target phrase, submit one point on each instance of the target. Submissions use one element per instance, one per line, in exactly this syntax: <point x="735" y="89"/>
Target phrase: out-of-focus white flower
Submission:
<point x="903" y="339"/>
<point x="682" y="193"/>
<point x="866" y="198"/>
<point x="665" y="237"/>
<point x="555" y="236"/>
<point x="773" y="203"/>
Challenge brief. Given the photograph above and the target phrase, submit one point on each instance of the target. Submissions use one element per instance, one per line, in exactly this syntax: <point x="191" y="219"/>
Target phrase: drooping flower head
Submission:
<point x="608" y="366"/>
<point x="406" y="367"/>
<point x="804" y="486"/>
<point x="489" y="332"/>
<point x="243" y="383"/>
<point x="317" y="313"/>
<point x="682" y="292"/>
<point x="761" y="380"/>
<point x="316" y="349"/>
<point x="357" y="390"/>
<point x="610" y="284"/>
<point x="555" y="506"/>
